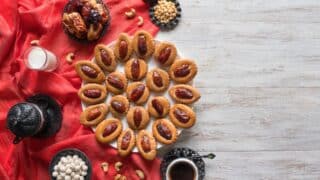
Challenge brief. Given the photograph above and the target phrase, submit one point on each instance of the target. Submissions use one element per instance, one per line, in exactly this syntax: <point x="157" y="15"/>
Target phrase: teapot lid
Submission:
<point x="24" y="119"/>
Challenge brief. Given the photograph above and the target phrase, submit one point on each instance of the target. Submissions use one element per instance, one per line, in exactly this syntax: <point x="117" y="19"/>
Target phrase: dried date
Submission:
<point x="157" y="106"/>
<point x="109" y="129"/>
<point x="164" y="131"/>
<point x="92" y="93"/>
<point x="137" y="92"/>
<point x="157" y="79"/>
<point x="182" y="71"/>
<point x="184" y="93"/>
<point x="89" y="71"/>
<point x="181" y="115"/>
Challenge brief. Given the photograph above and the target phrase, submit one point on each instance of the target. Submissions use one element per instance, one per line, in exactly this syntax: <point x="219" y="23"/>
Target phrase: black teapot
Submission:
<point x="38" y="116"/>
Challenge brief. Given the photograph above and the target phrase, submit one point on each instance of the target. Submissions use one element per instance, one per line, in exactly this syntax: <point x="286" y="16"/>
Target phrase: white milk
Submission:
<point x="41" y="59"/>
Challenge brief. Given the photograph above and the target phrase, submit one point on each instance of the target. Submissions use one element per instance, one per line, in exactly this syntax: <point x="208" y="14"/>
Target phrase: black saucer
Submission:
<point x="183" y="153"/>
<point x="171" y="24"/>
<point x="71" y="152"/>
<point x="51" y="111"/>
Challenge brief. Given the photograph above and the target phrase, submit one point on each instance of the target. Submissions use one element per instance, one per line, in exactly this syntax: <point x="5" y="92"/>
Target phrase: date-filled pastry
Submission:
<point x="138" y="118"/>
<point x="165" y="53"/>
<point x="136" y="69"/>
<point x="123" y="47"/>
<point x="157" y="80"/>
<point x="108" y="130"/>
<point x="143" y="44"/>
<point x="185" y="94"/>
<point x="138" y="92"/>
<point x="119" y="105"/>
<point x="126" y="142"/>
<point x="94" y="114"/>
<point x="164" y="131"/>
<point x="146" y="145"/>
<point x="116" y="82"/>
<point x="105" y="58"/>
<point x="92" y="93"/>
<point x="158" y="106"/>
<point x="183" y="71"/>
<point x="182" y="116"/>
<point x="89" y="72"/>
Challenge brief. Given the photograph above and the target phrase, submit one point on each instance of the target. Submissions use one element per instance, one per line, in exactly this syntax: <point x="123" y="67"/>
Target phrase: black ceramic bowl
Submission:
<point x="171" y="24"/>
<point x="183" y="153"/>
<point x="104" y="29"/>
<point x="71" y="152"/>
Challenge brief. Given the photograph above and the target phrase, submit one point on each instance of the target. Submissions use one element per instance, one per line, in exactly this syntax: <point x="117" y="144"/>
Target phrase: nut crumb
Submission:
<point x="140" y="174"/>
<point x="131" y="13"/>
<point x="118" y="166"/>
<point x="141" y="21"/>
<point x="35" y="42"/>
<point x="69" y="58"/>
<point x="105" y="166"/>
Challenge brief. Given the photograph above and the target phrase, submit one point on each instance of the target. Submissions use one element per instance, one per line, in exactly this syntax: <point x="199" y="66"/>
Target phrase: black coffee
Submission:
<point x="182" y="171"/>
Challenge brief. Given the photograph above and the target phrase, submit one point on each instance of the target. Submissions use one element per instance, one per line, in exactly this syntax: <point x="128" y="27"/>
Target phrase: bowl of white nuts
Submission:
<point x="70" y="164"/>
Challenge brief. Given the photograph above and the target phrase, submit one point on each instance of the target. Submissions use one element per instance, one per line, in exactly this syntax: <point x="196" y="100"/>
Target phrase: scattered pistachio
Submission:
<point x="69" y="58"/>
<point x="34" y="42"/>
<point x="118" y="166"/>
<point x="140" y="174"/>
<point x="131" y="13"/>
<point x="141" y="21"/>
<point x="105" y="166"/>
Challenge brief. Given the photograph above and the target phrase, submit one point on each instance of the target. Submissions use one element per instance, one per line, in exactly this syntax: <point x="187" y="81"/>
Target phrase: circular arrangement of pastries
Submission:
<point x="85" y="19"/>
<point x="155" y="104"/>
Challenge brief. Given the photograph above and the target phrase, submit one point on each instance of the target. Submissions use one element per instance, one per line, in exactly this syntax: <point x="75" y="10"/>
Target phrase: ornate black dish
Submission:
<point x="182" y="153"/>
<point x="104" y="29"/>
<point x="171" y="24"/>
<point x="52" y="113"/>
<point x="71" y="151"/>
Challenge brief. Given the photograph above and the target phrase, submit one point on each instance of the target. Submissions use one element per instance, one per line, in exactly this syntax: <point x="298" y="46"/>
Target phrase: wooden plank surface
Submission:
<point x="259" y="75"/>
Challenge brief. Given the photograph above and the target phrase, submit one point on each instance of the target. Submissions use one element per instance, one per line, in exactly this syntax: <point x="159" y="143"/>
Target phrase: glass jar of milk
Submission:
<point x="38" y="58"/>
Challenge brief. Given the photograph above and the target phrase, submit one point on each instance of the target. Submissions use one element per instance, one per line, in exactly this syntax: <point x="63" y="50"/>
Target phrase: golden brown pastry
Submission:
<point x="157" y="80"/>
<point x="94" y="114"/>
<point x="143" y="44"/>
<point x="164" y="131"/>
<point x="138" y="93"/>
<point x="182" y="116"/>
<point x="138" y="118"/>
<point x="183" y="71"/>
<point x="105" y="58"/>
<point x="165" y="53"/>
<point x="158" y="106"/>
<point x="123" y="47"/>
<point x="89" y="72"/>
<point x="126" y="142"/>
<point x="136" y="69"/>
<point x="119" y="105"/>
<point x="185" y="94"/>
<point x="74" y="24"/>
<point x="146" y="144"/>
<point x="116" y="82"/>
<point x="108" y="130"/>
<point x="92" y="93"/>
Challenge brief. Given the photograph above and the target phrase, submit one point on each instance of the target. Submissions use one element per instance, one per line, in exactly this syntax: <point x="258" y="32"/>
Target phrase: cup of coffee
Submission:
<point x="182" y="168"/>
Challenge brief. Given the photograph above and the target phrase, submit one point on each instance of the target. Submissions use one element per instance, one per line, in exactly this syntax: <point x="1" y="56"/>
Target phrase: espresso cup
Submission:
<point x="182" y="168"/>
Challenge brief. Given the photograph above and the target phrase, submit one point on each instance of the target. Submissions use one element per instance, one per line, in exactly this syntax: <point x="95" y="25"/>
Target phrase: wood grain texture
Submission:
<point x="259" y="75"/>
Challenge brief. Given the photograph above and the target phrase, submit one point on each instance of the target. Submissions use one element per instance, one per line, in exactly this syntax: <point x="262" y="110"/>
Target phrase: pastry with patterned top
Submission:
<point x="89" y="72"/>
<point x="158" y="80"/>
<point x="182" y="116"/>
<point x="165" y="53"/>
<point x="158" y="106"/>
<point x="136" y="69"/>
<point x="183" y="71"/>
<point x="116" y="82"/>
<point x="164" y="131"/>
<point x="138" y="117"/>
<point x="143" y="44"/>
<point x="126" y="142"/>
<point x="94" y="114"/>
<point x="105" y="58"/>
<point x="123" y="47"/>
<point x="146" y="144"/>
<point x="92" y="93"/>
<point x="119" y="105"/>
<point x="138" y="93"/>
<point x="185" y="94"/>
<point x="108" y="130"/>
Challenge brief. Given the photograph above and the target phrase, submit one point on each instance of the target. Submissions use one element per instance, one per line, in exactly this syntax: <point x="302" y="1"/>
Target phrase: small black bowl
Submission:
<point x="182" y="153"/>
<point x="71" y="151"/>
<point x="86" y="41"/>
<point x="171" y="24"/>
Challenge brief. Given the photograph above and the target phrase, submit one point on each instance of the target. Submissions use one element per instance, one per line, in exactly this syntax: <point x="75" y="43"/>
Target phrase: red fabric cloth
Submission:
<point x="26" y="20"/>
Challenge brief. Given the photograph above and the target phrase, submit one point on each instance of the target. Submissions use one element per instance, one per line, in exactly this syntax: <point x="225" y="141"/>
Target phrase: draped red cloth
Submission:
<point x="23" y="21"/>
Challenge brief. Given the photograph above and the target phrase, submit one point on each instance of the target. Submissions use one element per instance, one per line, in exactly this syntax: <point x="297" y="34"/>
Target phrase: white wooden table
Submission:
<point x="259" y="75"/>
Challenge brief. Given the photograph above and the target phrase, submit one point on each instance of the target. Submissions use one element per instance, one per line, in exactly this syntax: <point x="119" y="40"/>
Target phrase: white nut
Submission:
<point x="130" y="14"/>
<point x="34" y="42"/>
<point x="117" y="177"/>
<point x="141" y="21"/>
<point x="140" y="174"/>
<point x="118" y="166"/>
<point x="69" y="58"/>
<point x="105" y="166"/>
